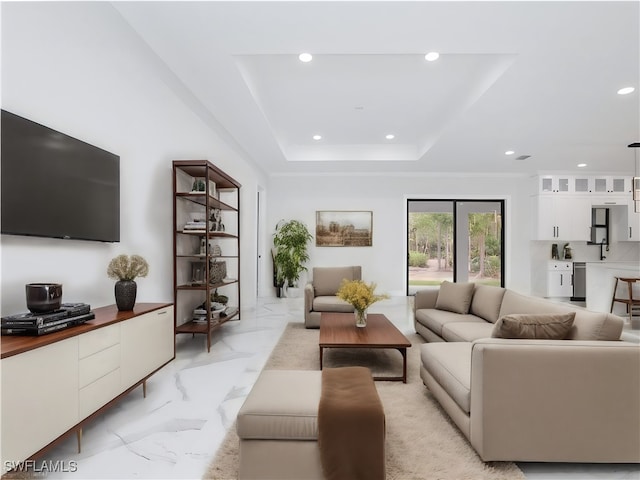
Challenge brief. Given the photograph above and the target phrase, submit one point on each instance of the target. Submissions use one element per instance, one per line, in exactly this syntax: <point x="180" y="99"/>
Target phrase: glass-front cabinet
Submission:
<point x="555" y="184"/>
<point x="582" y="184"/>
<point x="612" y="184"/>
<point x="601" y="184"/>
<point x="598" y="184"/>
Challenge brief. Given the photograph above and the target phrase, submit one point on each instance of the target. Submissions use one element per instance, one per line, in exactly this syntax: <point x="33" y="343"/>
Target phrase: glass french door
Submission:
<point x="454" y="240"/>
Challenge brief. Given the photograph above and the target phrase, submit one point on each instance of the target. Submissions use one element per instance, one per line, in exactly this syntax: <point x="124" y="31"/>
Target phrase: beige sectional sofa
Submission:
<point x="534" y="397"/>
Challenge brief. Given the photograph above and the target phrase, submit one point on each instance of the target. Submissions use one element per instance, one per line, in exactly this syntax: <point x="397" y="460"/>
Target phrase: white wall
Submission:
<point x="298" y="197"/>
<point x="78" y="68"/>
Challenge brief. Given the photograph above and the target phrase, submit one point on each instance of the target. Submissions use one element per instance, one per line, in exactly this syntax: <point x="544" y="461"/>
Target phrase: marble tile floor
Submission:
<point x="191" y="403"/>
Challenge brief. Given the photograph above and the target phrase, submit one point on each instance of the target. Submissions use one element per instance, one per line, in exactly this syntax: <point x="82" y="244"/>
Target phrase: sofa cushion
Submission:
<point x="596" y="326"/>
<point x="545" y="326"/>
<point x="282" y="405"/>
<point x="331" y="303"/>
<point x="450" y="365"/>
<point x="587" y="325"/>
<point x="435" y="319"/>
<point x="513" y="302"/>
<point x="327" y="280"/>
<point x="486" y="302"/>
<point x="455" y="297"/>
<point x="466" y="331"/>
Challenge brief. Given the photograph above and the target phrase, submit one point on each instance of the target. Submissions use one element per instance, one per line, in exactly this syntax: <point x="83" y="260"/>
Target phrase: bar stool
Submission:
<point x="629" y="301"/>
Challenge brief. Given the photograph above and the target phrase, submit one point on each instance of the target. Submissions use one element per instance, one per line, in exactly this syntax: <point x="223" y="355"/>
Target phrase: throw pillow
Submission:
<point x="455" y="297"/>
<point x="547" y="326"/>
<point x="486" y="302"/>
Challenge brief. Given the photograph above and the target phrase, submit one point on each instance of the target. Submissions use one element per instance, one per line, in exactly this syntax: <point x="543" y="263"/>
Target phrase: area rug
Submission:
<point x="421" y="442"/>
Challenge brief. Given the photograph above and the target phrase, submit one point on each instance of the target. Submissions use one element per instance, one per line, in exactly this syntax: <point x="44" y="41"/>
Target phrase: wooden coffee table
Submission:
<point x="338" y="330"/>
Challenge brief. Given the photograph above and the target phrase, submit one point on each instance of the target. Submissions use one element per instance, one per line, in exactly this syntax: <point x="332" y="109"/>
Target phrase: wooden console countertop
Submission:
<point x="15" y="344"/>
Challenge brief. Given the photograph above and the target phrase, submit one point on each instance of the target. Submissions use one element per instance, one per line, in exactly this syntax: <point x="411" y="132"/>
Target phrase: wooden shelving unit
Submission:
<point x="196" y="250"/>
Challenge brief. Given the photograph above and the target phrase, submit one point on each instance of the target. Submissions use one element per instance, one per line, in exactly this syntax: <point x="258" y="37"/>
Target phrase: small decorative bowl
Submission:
<point x="43" y="297"/>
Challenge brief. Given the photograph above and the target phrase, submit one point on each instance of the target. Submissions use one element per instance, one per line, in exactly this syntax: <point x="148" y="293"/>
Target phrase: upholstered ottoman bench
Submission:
<point x="280" y="433"/>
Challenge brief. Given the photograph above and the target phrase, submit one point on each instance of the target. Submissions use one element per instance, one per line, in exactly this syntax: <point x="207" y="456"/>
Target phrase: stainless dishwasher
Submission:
<point x="579" y="281"/>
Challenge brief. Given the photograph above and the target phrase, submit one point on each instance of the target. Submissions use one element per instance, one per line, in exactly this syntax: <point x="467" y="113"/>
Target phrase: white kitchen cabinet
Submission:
<point x="556" y="184"/>
<point x="560" y="279"/>
<point x="582" y="184"/>
<point x="629" y="225"/>
<point x="601" y="184"/>
<point x="612" y="184"/>
<point x="620" y="184"/>
<point x="632" y="233"/>
<point x="562" y="218"/>
<point x="587" y="184"/>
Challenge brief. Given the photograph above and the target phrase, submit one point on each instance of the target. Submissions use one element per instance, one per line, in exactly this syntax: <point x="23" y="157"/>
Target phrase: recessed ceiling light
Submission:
<point x="431" y="56"/>
<point x="317" y="137"/>
<point x="582" y="165"/>
<point x="390" y="136"/>
<point x="626" y="90"/>
<point x="509" y="152"/>
<point x="305" y="57"/>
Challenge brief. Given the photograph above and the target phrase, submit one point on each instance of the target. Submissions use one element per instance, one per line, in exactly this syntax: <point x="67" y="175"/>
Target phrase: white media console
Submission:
<point x="53" y="384"/>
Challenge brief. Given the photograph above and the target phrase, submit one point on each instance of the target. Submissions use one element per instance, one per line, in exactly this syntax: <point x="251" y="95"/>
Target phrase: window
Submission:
<point x="454" y="240"/>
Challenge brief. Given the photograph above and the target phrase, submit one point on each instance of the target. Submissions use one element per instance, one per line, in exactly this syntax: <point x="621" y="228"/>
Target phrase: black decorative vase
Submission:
<point x="125" y="291"/>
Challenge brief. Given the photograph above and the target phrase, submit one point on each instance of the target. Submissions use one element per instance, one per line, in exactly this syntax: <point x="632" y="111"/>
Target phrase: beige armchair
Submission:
<point x="320" y="293"/>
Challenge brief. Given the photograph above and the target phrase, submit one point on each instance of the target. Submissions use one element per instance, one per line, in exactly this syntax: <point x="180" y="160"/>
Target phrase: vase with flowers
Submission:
<point x="360" y="295"/>
<point x="125" y="269"/>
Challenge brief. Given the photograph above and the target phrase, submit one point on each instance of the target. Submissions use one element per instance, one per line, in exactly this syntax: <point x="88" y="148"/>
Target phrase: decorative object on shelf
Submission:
<point x="198" y="185"/>
<point x="198" y="273"/>
<point x="229" y="312"/>
<point x="217" y="271"/>
<point x="216" y="251"/>
<point x="361" y="296"/>
<point x="195" y="226"/>
<point x="203" y="245"/>
<point x="215" y="220"/>
<point x="344" y="229"/>
<point x="125" y="292"/>
<point x="217" y="298"/>
<point x="126" y="269"/>
<point x="36" y="324"/>
<point x="43" y="297"/>
<point x="289" y="253"/>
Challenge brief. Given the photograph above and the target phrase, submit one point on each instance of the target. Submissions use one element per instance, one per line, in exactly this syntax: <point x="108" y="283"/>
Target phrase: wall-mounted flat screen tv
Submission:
<point x="54" y="185"/>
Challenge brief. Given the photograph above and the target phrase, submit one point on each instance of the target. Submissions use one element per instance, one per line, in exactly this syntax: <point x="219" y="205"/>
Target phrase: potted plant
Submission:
<point x="125" y="269"/>
<point x="289" y="252"/>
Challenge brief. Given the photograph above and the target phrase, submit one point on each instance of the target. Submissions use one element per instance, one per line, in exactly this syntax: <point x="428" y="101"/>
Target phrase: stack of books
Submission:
<point x="199" y="315"/>
<point x="195" y="226"/>
<point x="69" y="315"/>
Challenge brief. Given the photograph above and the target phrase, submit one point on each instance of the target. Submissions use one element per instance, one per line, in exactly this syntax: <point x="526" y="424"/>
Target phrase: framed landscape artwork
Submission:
<point x="344" y="228"/>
